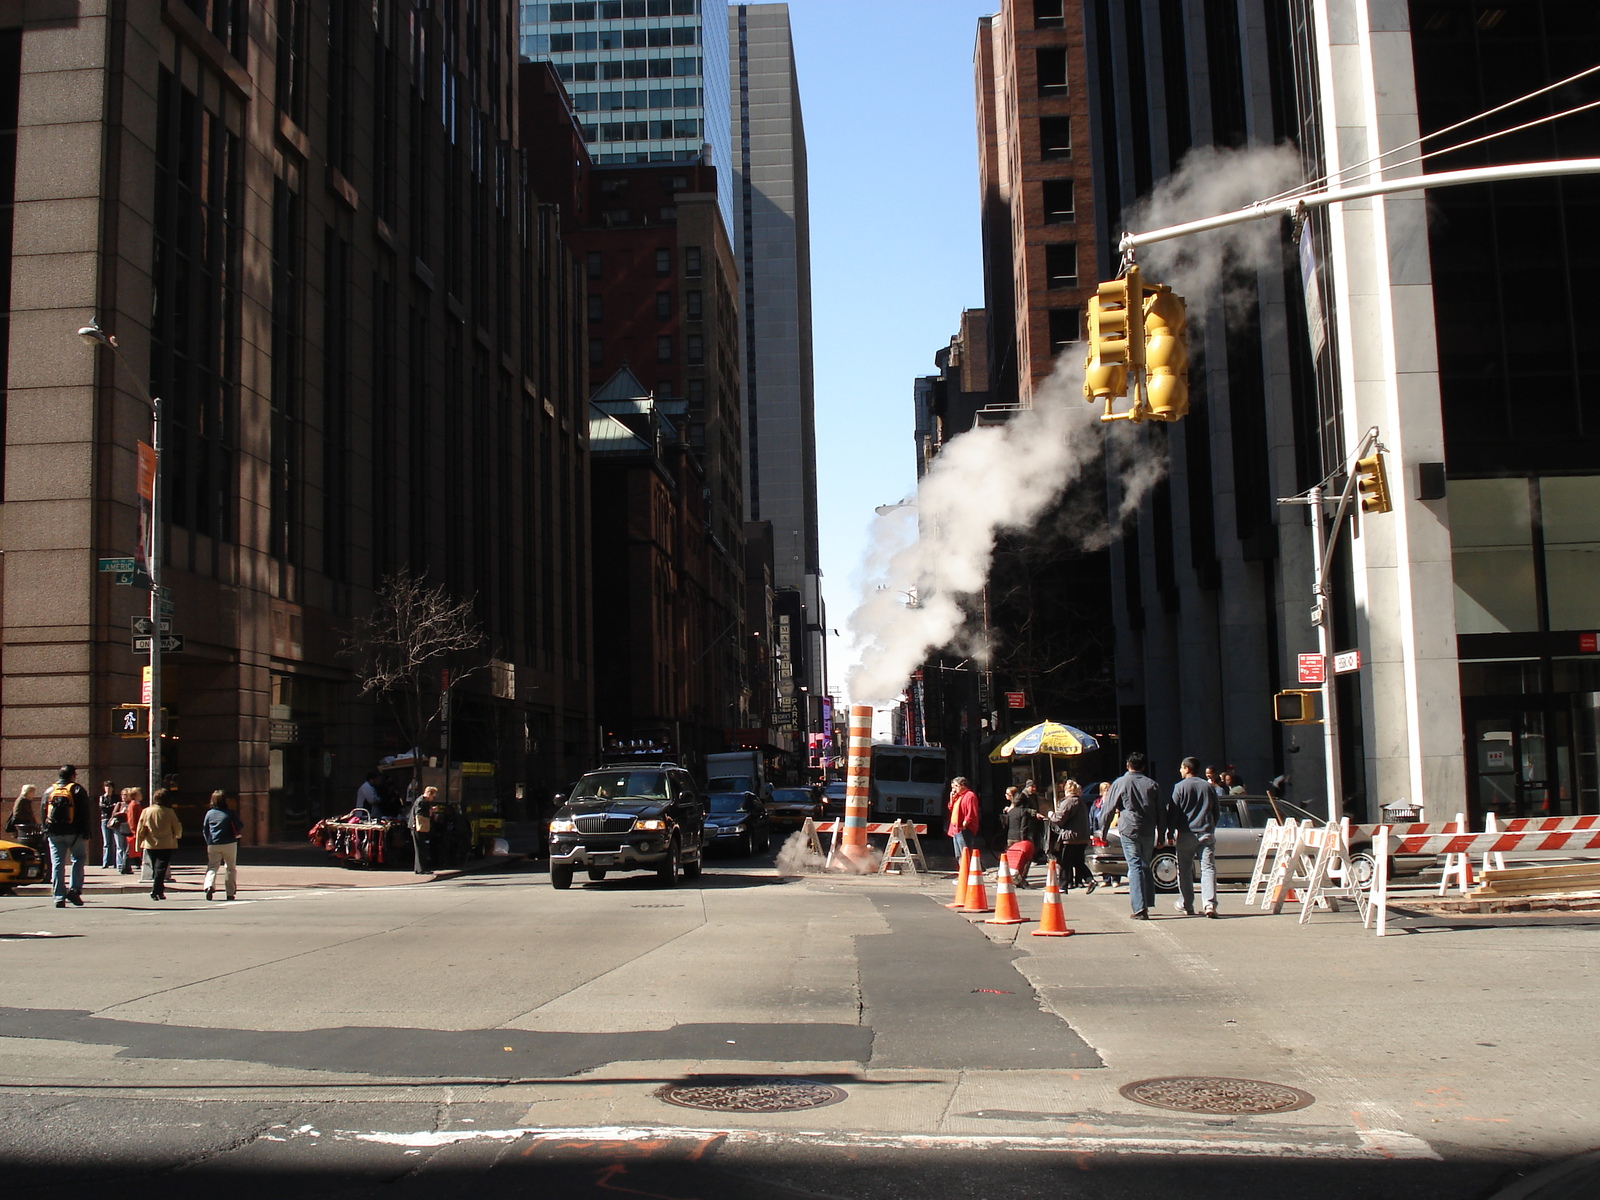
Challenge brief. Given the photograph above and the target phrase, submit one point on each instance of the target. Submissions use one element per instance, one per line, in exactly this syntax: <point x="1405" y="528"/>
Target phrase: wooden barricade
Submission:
<point x="1333" y="875"/>
<point x="904" y="850"/>
<point x="1271" y="840"/>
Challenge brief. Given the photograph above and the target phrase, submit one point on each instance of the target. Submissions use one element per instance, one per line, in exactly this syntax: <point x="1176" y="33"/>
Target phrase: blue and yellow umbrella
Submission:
<point x="1047" y="737"/>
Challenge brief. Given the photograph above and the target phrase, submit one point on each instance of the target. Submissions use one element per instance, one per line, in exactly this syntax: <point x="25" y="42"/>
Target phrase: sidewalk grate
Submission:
<point x="752" y="1094"/>
<point x="1208" y="1094"/>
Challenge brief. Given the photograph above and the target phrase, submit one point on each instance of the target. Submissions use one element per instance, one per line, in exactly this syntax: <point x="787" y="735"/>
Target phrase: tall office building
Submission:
<point x="1475" y="603"/>
<point x="772" y="245"/>
<point x="646" y="78"/>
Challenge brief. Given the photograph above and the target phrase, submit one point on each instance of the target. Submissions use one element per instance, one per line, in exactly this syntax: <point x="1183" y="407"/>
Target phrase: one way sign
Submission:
<point x="170" y="644"/>
<point x="141" y="625"/>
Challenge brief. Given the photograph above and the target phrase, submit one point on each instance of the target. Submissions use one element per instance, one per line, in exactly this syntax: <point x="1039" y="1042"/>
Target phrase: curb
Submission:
<point x="1576" y="1179"/>
<point x="42" y="891"/>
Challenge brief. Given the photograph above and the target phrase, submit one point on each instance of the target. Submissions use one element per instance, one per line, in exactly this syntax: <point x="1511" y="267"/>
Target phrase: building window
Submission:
<point x="663" y="349"/>
<point x="1051" y="63"/>
<point x="696" y="349"/>
<point x="1047" y="14"/>
<point x="1491" y="538"/>
<point x="597" y="309"/>
<point x="691" y="261"/>
<point x="597" y="352"/>
<point x="1061" y="264"/>
<point x="1064" y="324"/>
<point x="665" y="388"/>
<point x="1569" y="507"/>
<point x="594" y="263"/>
<point x="663" y="306"/>
<point x="691" y="305"/>
<point x="1055" y="137"/>
<point x="663" y="262"/>
<point x="1059" y="202"/>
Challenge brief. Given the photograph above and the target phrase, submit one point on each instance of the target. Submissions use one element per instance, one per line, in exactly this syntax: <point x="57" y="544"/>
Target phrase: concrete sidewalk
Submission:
<point x="270" y="868"/>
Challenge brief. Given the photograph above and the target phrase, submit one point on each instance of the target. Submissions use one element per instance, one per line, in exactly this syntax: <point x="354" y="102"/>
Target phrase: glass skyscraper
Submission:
<point x="648" y="78"/>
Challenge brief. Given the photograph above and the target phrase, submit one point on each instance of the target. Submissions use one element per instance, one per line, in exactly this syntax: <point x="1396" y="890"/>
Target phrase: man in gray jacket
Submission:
<point x="1194" y="818"/>
<point x="1135" y="803"/>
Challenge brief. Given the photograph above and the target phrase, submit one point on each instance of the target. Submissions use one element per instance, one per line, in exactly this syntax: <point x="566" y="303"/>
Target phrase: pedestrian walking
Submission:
<point x="420" y="821"/>
<point x="221" y="829"/>
<point x="1070" y="820"/>
<point x="1193" y="818"/>
<point x="157" y="835"/>
<point x="1134" y="803"/>
<point x="66" y="824"/>
<point x="21" y="818"/>
<point x="107" y="802"/>
<point x="120" y="831"/>
<point x="962" y="827"/>
<point x="135" y="811"/>
<point x="1020" y="820"/>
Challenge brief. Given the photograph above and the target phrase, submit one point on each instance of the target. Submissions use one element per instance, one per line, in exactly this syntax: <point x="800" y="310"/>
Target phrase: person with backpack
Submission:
<point x="158" y="834"/>
<point x="66" y="825"/>
<point x="221" y="829"/>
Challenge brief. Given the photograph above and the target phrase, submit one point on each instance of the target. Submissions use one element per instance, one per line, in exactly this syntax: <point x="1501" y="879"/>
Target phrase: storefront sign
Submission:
<point x="1346" y="661"/>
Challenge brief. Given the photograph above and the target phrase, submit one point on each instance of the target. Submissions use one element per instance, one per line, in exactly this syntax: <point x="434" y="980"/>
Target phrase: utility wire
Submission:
<point x="1323" y="180"/>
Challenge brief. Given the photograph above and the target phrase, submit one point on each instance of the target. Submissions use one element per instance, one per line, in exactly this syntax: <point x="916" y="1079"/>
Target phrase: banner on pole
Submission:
<point x="147" y="499"/>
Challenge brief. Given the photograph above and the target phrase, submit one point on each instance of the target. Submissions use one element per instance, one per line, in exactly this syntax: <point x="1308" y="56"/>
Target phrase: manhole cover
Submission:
<point x="1209" y="1095"/>
<point x="744" y="1093"/>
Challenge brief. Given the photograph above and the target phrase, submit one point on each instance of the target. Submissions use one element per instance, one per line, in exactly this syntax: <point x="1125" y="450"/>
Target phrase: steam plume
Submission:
<point x="928" y="560"/>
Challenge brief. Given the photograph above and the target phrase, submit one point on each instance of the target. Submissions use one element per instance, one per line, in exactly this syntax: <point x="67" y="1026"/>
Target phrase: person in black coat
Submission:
<point x="1070" y="820"/>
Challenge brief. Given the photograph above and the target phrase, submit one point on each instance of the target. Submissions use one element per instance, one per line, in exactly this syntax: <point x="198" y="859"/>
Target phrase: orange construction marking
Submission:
<point x="1052" y="917"/>
<point x="1005" y="899"/>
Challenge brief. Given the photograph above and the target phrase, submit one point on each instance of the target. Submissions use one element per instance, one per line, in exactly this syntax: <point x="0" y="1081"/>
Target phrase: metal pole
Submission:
<point x="1408" y="183"/>
<point x="155" y="722"/>
<point x="1321" y="617"/>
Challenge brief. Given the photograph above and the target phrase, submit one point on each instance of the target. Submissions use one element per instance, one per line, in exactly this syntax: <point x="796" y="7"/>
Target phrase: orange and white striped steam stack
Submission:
<point x="854" y="847"/>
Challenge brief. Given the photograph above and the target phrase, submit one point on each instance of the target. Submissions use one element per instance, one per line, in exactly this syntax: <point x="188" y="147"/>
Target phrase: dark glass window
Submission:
<point x="663" y="306"/>
<point x="1064" y="326"/>
<point x="597" y="352"/>
<point x="194" y="363"/>
<point x="597" y="309"/>
<point x="291" y="72"/>
<point x="1047" y="14"/>
<point x="1055" y="137"/>
<point x="594" y="264"/>
<point x="663" y="349"/>
<point x="1061" y="264"/>
<point x="1051" y="63"/>
<point x="10" y="90"/>
<point x="696" y="349"/>
<point x="1059" y="202"/>
<point x="663" y="262"/>
<point x="691" y="261"/>
<point x="691" y="305"/>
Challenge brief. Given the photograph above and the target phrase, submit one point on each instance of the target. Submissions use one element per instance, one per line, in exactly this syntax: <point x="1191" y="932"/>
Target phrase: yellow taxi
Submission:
<point x="19" y="864"/>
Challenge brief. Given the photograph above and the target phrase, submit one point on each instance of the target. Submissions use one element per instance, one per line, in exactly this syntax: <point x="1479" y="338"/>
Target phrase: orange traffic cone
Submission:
<point x="962" y="868"/>
<point x="1052" y="917"/>
<point x="977" y="897"/>
<point x="1005" y="898"/>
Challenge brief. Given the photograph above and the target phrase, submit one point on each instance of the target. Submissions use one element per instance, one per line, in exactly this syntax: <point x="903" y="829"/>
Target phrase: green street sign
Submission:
<point x="117" y="565"/>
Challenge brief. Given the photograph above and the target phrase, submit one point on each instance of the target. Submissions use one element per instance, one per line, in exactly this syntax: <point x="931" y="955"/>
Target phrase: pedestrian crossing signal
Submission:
<point x="1295" y="708"/>
<point x="132" y="720"/>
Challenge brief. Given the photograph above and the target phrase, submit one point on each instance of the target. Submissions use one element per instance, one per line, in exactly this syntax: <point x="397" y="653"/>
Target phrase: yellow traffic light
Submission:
<point x="1373" y="484"/>
<point x="1295" y="708"/>
<point x="1116" y="338"/>
<point x="1166" y="352"/>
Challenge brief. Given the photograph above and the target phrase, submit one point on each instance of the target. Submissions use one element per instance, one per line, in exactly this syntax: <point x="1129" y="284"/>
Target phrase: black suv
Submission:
<point x="630" y="818"/>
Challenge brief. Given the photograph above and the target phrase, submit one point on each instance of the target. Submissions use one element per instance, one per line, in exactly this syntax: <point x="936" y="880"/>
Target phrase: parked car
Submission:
<point x="20" y="864"/>
<point x="788" y="807"/>
<point x="632" y="818"/>
<point x="1240" y="822"/>
<point x="738" y="820"/>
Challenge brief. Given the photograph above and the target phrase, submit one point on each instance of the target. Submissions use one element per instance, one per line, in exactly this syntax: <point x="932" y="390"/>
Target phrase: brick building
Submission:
<point x="308" y="225"/>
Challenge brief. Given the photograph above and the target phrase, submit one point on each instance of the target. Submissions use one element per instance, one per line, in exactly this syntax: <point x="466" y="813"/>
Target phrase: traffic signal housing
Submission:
<point x="1373" y="484"/>
<point x="1116" y="337"/>
<point x="1297" y="707"/>
<point x="1166" y="353"/>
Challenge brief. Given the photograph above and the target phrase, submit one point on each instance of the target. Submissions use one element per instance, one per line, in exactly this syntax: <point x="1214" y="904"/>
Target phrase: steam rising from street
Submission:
<point x="927" y="561"/>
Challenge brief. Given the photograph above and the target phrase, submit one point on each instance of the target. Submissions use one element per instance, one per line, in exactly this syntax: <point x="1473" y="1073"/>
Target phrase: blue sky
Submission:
<point x="886" y="87"/>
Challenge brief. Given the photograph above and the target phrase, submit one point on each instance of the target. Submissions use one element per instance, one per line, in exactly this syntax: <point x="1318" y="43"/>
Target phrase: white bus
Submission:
<point x="909" y="781"/>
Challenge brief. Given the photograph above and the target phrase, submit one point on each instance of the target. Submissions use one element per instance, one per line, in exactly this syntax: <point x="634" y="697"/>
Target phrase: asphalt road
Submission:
<point x="490" y="1036"/>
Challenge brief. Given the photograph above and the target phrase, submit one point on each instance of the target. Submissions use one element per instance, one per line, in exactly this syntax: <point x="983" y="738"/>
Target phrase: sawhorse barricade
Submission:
<point x="903" y="849"/>
<point x="1333" y="874"/>
<point x="1522" y="834"/>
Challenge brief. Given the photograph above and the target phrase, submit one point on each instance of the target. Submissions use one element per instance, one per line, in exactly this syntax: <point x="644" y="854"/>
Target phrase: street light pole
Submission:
<point x="95" y="336"/>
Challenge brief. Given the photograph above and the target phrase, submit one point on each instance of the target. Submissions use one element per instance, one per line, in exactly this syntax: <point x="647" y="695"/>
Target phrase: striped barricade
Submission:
<point x="1522" y="834"/>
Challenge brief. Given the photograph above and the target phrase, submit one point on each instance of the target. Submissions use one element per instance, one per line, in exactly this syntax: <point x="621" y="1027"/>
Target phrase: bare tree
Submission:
<point x="414" y="629"/>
